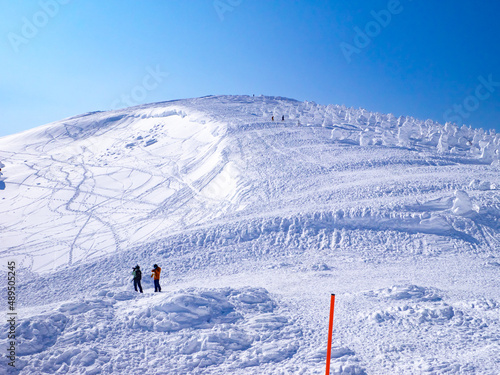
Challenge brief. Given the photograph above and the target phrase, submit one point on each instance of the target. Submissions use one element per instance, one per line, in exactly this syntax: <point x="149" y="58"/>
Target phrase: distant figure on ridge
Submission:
<point x="156" y="273"/>
<point x="272" y="118"/>
<point x="283" y="118"/>
<point x="137" y="274"/>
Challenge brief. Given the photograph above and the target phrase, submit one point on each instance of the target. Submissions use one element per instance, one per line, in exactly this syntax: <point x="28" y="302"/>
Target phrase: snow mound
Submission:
<point x="482" y="185"/>
<point x="437" y="327"/>
<point x="40" y="332"/>
<point x="343" y="361"/>
<point x="462" y="204"/>
<point x="196" y="329"/>
<point x="406" y="292"/>
<point x="415" y="314"/>
<point x="485" y="304"/>
<point x="202" y="310"/>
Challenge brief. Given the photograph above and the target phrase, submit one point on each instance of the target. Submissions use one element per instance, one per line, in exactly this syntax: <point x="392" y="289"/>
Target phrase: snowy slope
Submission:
<point x="255" y="222"/>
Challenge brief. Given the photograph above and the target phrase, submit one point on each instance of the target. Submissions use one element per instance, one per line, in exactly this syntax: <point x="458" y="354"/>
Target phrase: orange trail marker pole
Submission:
<point x="330" y="334"/>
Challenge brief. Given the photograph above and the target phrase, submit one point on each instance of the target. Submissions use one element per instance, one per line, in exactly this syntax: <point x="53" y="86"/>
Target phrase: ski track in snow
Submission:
<point x="254" y="223"/>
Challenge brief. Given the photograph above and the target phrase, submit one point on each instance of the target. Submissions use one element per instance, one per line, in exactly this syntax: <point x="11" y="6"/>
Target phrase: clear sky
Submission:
<point x="422" y="58"/>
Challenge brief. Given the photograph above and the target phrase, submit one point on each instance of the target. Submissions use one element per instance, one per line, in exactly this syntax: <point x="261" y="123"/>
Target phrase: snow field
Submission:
<point x="254" y="223"/>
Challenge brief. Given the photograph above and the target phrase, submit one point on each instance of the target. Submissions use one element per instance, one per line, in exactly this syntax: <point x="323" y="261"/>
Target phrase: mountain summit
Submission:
<point x="272" y="204"/>
<point x="103" y="182"/>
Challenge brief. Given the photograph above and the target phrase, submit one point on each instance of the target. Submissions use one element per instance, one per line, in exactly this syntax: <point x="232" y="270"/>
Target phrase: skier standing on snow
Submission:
<point x="272" y="118"/>
<point x="137" y="277"/>
<point x="156" y="273"/>
<point x="283" y="118"/>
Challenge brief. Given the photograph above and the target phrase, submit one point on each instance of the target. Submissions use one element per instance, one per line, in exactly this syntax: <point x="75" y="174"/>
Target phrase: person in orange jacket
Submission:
<point x="156" y="273"/>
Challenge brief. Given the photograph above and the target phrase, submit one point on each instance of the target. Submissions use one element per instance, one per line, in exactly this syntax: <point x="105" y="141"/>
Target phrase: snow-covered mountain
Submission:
<point x="256" y="208"/>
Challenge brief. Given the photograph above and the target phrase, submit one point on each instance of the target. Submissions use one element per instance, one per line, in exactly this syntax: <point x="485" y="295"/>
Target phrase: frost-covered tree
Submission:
<point x="1" y="178"/>
<point x="443" y="143"/>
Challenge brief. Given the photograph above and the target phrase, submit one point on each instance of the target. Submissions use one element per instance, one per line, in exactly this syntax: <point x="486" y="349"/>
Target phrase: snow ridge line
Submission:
<point x="341" y="229"/>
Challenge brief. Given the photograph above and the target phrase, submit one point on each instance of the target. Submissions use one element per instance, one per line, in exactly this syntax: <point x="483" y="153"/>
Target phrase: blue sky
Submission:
<point x="427" y="59"/>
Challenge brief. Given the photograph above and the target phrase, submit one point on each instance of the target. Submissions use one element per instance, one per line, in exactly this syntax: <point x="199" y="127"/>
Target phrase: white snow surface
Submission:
<point x="254" y="223"/>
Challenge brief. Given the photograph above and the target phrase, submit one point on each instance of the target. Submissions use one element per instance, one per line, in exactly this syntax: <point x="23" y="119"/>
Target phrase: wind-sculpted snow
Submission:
<point x="175" y="333"/>
<point x="441" y="327"/>
<point x="407" y="292"/>
<point x="255" y="222"/>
